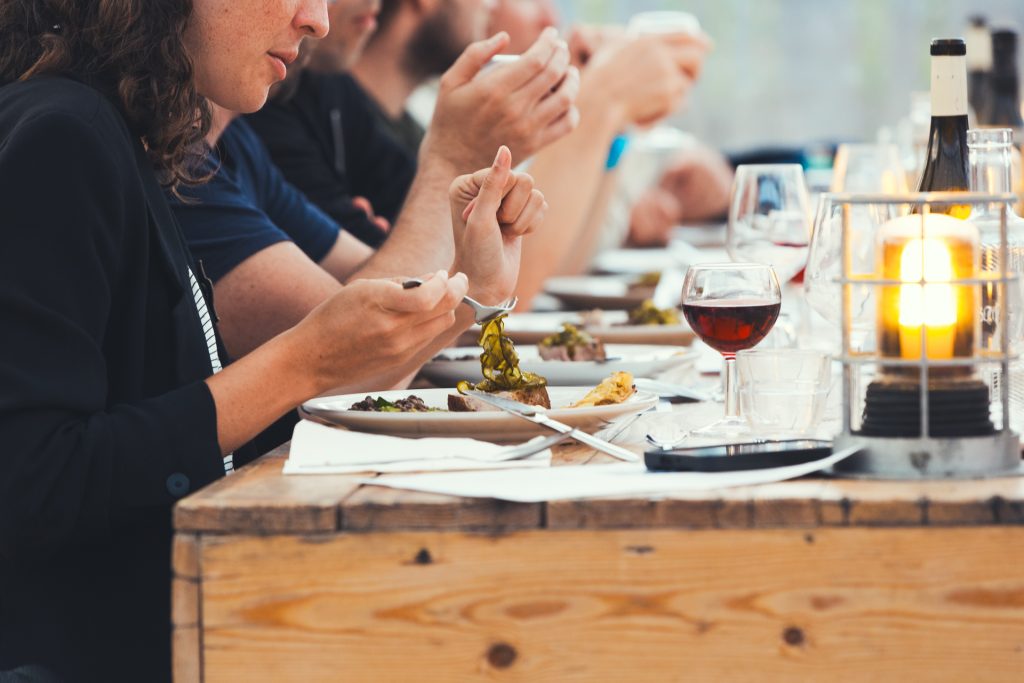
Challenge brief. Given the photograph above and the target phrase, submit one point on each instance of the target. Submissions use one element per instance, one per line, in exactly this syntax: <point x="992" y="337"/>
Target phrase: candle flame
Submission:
<point x="933" y="304"/>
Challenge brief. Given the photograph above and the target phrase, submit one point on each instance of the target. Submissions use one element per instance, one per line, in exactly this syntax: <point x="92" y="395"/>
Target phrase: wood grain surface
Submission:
<point x="260" y="499"/>
<point x="871" y="604"/>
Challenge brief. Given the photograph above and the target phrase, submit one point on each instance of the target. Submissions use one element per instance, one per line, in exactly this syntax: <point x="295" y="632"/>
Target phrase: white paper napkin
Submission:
<point x="595" y="481"/>
<point x="319" y="449"/>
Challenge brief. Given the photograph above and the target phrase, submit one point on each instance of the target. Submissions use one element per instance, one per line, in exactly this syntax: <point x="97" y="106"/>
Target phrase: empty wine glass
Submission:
<point x="769" y="218"/>
<point x="731" y="307"/>
<point x="868" y="168"/>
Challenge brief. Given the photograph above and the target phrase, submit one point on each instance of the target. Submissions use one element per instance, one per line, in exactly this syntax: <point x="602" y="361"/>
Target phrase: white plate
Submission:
<point x="597" y="291"/>
<point x="642" y="360"/>
<point x="530" y="328"/>
<point x="679" y="254"/>
<point x="487" y="426"/>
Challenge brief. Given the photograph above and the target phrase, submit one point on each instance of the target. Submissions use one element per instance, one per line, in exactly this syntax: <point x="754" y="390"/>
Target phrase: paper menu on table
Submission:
<point x="594" y="481"/>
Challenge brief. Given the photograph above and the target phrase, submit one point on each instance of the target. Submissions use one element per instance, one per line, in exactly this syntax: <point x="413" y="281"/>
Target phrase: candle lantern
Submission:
<point x="928" y="398"/>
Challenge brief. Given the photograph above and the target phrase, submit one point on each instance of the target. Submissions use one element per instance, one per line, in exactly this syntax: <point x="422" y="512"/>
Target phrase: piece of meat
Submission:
<point x="576" y="352"/>
<point x="534" y="396"/>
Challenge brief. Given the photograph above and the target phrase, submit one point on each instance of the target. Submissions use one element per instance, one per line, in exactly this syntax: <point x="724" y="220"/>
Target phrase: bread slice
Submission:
<point x="534" y="396"/>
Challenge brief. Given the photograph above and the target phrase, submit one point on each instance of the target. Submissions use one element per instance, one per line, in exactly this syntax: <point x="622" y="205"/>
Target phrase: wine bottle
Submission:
<point x="1003" y="108"/>
<point x="979" y="64"/>
<point x="946" y="167"/>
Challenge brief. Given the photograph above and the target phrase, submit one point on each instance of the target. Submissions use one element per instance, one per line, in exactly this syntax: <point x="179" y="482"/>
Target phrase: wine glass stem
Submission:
<point x="732" y="404"/>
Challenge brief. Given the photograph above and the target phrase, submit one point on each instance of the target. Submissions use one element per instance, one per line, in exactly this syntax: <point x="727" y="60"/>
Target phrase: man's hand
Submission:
<point x="491" y="211"/>
<point x="524" y="105"/>
<point x="364" y="204"/>
<point x="585" y="41"/>
<point x="694" y="188"/>
<point x="645" y="78"/>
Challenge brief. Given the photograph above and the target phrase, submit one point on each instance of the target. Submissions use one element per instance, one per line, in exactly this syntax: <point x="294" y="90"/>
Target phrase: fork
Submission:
<point x="481" y="313"/>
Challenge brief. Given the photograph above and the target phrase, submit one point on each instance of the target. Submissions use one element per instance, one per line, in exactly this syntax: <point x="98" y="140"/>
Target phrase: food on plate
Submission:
<point x="499" y="364"/>
<point x="412" y="404"/>
<point x="592" y="318"/>
<point x="644" y="285"/>
<point x="571" y="344"/>
<point x="649" y="314"/>
<point x="614" y="389"/>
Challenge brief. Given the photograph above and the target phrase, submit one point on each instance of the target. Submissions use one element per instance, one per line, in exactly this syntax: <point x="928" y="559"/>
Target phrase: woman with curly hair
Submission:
<point x="112" y="400"/>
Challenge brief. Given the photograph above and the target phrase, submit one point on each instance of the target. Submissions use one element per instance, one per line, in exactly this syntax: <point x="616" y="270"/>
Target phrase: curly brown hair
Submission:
<point x="132" y="51"/>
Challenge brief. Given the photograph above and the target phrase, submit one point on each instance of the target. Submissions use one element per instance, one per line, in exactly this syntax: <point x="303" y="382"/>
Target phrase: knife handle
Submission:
<point x="604" y="446"/>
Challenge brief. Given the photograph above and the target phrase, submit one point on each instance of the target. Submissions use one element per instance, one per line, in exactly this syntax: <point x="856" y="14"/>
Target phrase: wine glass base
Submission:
<point x="730" y="428"/>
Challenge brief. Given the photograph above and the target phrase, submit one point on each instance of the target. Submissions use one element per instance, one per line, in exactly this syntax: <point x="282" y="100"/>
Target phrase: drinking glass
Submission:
<point x="783" y="391"/>
<point x="868" y="168"/>
<point x="769" y="218"/>
<point x="731" y="307"/>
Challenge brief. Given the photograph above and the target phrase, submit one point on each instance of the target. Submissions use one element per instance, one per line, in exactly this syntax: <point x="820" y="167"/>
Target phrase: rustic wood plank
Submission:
<point x="261" y="499"/>
<point x="632" y="513"/>
<point x="947" y="603"/>
<point x="789" y="504"/>
<point x="186" y="660"/>
<point x="185" y="602"/>
<point x="376" y="508"/>
<point x="872" y="503"/>
<point x="185" y="556"/>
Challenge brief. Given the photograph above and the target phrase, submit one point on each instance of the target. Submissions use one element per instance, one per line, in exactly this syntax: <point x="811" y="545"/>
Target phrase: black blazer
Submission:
<point x="104" y="418"/>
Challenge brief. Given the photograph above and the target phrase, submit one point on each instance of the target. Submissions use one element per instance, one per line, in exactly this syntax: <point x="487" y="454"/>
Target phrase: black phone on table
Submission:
<point x="737" y="456"/>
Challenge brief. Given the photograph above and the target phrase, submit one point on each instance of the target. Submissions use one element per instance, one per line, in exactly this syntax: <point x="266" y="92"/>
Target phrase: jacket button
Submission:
<point x="177" y="484"/>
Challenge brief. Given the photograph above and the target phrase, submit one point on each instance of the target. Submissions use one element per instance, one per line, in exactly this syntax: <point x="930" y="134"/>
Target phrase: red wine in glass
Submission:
<point x="731" y="325"/>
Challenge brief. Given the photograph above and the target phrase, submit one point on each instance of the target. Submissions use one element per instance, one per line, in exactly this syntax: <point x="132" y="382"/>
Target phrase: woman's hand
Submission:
<point x="374" y="324"/>
<point x="491" y="211"/>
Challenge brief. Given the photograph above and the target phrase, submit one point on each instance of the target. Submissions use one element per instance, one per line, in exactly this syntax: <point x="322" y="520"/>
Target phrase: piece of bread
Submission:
<point x="534" y="396"/>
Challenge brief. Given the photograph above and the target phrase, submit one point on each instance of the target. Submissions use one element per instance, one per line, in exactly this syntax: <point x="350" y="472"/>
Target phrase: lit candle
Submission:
<point x="927" y="253"/>
<point x="931" y="305"/>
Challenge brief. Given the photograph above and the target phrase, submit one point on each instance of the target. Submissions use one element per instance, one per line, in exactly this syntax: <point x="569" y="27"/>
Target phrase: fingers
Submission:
<point x="516" y="199"/>
<point x="530" y="218"/>
<point x="561" y="101"/>
<point x="547" y="78"/>
<point x="532" y="62"/>
<point x="392" y="298"/>
<point x="494" y="185"/>
<point x="472" y="59"/>
<point x="688" y="52"/>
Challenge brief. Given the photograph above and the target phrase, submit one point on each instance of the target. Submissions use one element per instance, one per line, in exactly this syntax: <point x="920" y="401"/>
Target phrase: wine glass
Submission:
<point x="868" y="168"/>
<point x="769" y="218"/>
<point x="731" y="307"/>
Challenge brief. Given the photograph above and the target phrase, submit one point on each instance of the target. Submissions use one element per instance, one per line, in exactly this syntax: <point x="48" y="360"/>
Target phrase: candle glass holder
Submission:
<point x="924" y="401"/>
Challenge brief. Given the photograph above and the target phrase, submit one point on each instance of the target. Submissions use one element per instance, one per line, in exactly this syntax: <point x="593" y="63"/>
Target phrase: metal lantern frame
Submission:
<point x="925" y="456"/>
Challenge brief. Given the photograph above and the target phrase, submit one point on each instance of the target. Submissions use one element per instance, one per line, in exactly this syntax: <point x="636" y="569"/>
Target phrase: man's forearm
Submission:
<point x="422" y="239"/>
<point x="569" y="174"/>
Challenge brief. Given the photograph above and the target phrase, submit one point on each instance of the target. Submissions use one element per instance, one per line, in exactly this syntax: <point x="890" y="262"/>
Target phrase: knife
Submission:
<point x="537" y="416"/>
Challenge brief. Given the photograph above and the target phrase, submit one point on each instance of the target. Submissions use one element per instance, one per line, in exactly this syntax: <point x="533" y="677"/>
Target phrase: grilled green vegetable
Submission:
<point x="499" y="362"/>
<point x="570" y="337"/>
<point x="649" y="314"/>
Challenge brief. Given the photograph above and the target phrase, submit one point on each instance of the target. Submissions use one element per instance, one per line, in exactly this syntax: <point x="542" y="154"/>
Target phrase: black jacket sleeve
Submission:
<point x="73" y="462"/>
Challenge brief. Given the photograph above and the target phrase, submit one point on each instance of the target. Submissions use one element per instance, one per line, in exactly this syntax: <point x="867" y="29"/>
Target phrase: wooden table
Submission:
<point x="314" y="578"/>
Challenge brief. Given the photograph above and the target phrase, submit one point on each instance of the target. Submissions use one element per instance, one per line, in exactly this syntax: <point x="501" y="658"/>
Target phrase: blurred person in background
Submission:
<point x="329" y="139"/>
<point x="694" y="188"/>
<point x="695" y="184"/>
<point x="625" y="81"/>
<point x="273" y="255"/>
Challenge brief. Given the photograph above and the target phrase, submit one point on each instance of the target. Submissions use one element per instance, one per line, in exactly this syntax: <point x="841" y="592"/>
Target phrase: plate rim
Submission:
<point x="640" y="397"/>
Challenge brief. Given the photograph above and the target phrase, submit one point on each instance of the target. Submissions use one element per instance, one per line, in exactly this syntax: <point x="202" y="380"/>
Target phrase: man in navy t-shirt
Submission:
<point x="247" y="206"/>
